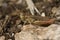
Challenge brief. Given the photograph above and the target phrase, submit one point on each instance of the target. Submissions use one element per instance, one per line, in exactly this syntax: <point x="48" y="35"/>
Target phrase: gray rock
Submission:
<point x="53" y="32"/>
<point x="24" y="35"/>
<point x="31" y="32"/>
<point x="2" y="38"/>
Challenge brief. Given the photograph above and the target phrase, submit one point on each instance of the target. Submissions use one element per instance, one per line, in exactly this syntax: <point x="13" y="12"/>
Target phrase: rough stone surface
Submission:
<point x="2" y="38"/>
<point x="53" y="32"/>
<point x="31" y="32"/>
<point x="25" y="36"/>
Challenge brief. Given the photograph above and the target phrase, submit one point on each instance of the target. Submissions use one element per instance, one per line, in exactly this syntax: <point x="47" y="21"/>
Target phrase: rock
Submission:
<point x="28" y="27"/>
<point x="56" y="13"/>
<point x="24" y="35"/>
<point x="54" y="10"/>
<point x="2" y="38"/>
<point x="29" y="32"/>
<point x="53" y="32"/>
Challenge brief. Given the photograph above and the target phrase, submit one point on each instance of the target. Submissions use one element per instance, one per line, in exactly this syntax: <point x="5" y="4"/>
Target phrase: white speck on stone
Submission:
<point x="43" y="14"/>
<point x="12" y="34"/>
